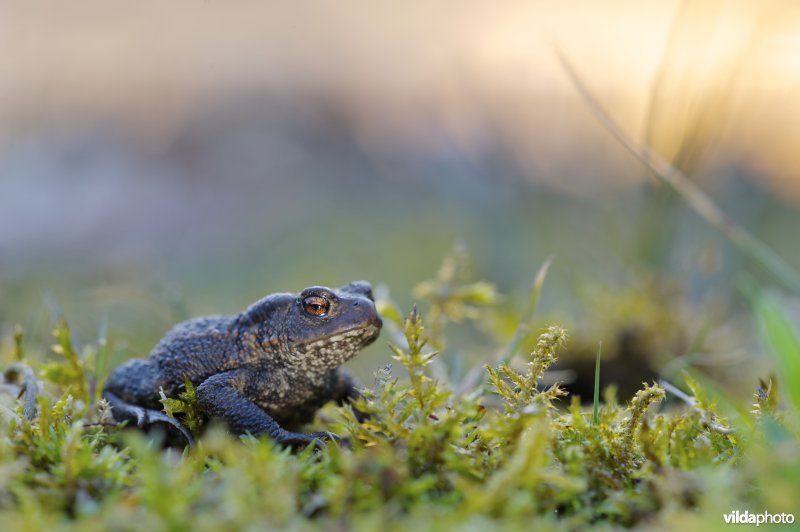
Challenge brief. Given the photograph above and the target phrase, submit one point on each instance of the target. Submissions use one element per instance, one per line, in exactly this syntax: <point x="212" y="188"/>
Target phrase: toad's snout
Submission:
<point x="368" y="312"/>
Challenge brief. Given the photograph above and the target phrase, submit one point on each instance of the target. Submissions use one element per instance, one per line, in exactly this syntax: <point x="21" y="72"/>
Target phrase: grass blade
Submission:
<point x="781" y="339"/>
<point x="595" y="416"/>
<point x="693" y="195"/>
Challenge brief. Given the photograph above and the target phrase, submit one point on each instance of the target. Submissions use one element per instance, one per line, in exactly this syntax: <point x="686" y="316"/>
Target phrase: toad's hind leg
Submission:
<point x="132" y="392"/>
<point x="143" y="417"/>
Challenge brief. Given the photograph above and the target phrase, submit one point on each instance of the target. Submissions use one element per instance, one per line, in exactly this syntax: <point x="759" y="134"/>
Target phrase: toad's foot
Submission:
<point x="144" y="417"/>
<point x="298" y="439"/>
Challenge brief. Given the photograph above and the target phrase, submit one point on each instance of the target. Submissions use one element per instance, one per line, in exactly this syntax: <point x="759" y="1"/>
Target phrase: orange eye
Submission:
<point x="316" y="305"/>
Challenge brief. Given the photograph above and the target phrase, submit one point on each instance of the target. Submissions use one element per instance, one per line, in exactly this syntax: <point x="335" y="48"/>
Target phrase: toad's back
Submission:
<point x="195" y="349"/>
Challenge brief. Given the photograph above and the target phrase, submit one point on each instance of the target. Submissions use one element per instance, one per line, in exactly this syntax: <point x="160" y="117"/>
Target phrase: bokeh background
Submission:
<point x="163" y="160"/>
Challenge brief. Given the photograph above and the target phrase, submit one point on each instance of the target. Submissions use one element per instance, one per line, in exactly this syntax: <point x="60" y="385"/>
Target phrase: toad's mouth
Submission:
<point x="356" y="336"/>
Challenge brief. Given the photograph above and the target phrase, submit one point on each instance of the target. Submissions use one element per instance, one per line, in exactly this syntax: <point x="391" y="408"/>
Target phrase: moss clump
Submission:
<point x="504" y="452"/>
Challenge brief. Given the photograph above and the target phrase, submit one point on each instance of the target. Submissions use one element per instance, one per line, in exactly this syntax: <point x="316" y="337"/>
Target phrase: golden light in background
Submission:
<point x="703" y="80"/>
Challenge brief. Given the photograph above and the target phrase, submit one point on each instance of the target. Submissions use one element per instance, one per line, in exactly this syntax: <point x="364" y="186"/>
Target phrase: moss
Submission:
<point x="432" y="455"/>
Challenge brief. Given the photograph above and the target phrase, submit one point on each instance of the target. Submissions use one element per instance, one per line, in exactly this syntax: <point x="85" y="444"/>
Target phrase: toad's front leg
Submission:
<point x="345" y="390"/>
<point x="222" y="396"/>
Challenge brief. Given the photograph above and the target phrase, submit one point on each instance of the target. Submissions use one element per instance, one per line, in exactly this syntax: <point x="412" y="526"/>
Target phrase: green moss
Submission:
<point x="432" y="455"/>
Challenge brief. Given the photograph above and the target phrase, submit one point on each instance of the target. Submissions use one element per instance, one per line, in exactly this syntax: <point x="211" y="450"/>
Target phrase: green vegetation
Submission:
<point x="499" y="450"/>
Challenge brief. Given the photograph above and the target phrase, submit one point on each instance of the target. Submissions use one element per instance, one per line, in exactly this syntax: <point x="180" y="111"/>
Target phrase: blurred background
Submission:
<point x="160" y="161"/>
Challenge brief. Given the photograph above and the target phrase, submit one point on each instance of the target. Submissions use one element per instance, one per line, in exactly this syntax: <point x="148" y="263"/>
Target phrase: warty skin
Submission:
<point x="266" y="370"/>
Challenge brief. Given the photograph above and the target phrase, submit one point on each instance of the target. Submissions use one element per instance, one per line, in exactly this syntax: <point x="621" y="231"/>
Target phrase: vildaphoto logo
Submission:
<point x="764" y="518"/>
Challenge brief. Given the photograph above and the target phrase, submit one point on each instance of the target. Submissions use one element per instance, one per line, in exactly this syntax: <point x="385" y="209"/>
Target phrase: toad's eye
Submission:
<point x="316" y="305"/>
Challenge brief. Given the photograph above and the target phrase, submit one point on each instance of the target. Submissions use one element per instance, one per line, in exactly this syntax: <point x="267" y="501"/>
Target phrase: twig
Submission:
<point x="692" y="402"/>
